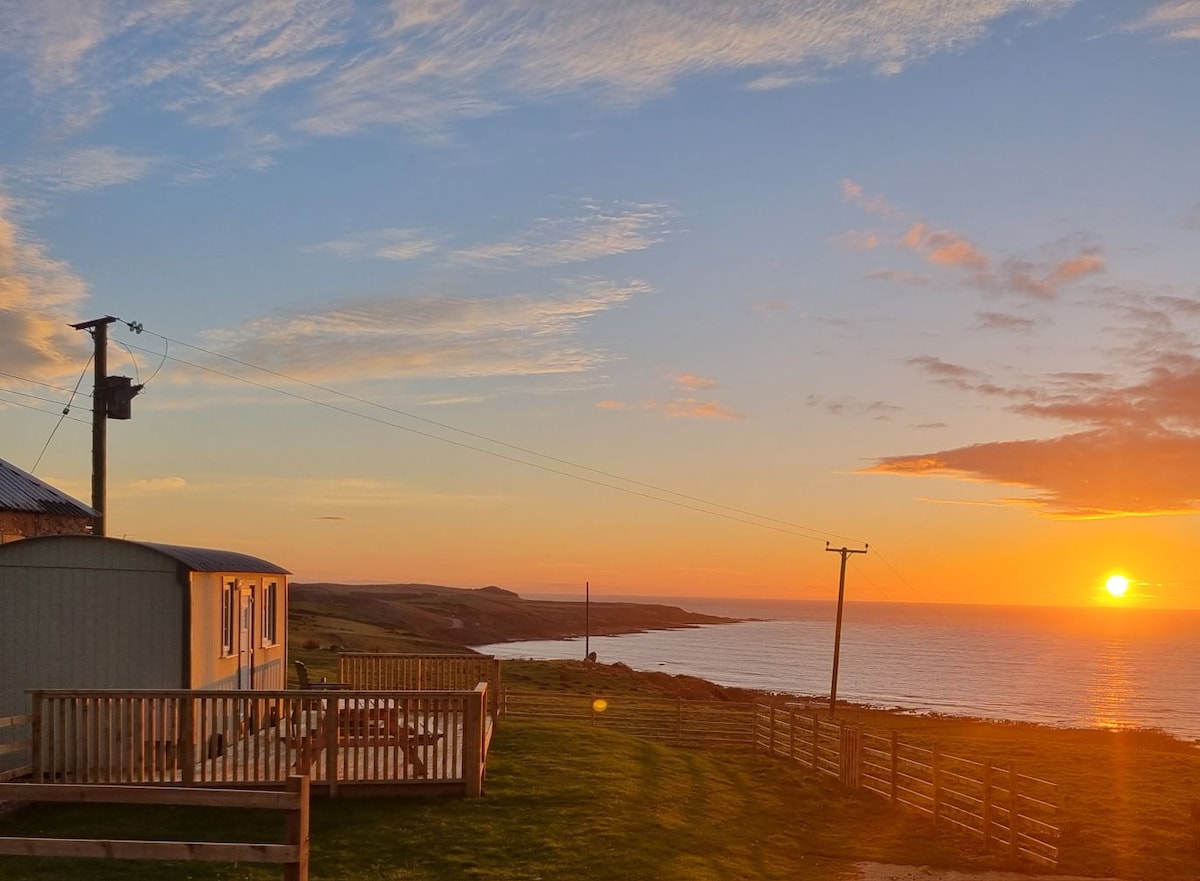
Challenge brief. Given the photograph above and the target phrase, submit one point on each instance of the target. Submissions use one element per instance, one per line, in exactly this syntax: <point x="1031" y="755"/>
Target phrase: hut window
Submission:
<point x="228" y="602"/>
<point x="268" y="619"/>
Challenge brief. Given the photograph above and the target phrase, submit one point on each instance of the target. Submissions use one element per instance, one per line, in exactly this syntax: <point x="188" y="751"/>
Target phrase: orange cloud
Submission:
<point x="854" y="193"/>
<point x="1077" y="267"/>
<point x="943" y="247"/>
<point x="691" y="382"/>
<point x="1086" y="475"/>
<point x="691" y="408"/>
<point x="610" y="405"/>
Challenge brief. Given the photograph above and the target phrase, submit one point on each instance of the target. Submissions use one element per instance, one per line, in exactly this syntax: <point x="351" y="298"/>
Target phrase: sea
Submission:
<point x="1112" y="668"/>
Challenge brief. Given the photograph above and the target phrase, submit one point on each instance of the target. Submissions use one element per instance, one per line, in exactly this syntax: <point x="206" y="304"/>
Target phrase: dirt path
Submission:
<point x="884" y="872"/>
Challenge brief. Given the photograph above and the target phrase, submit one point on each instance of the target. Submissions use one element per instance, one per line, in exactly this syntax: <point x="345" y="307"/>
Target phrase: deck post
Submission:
<point x="792" y="735"/>
<point x="473" y="720"/>
<point x="331" y="745"/>
<point x="816" y="739"/>
<point x="35" y="733"/>
<point x="187" y="739"/>
<point x="771" y="736"/>
<point x="297" y="828"/>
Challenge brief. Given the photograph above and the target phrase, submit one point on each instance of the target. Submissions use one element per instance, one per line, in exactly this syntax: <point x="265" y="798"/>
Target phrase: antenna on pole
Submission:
<point x="111" y="397"/>
<point x="837" y="633"/>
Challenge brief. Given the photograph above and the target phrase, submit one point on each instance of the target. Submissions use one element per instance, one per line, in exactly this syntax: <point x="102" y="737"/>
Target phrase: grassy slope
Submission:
<point x="563" y="802"/>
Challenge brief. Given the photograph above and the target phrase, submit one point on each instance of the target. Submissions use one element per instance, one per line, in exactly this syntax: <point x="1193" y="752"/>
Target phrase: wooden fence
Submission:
<point x="1008" y="811"/>
<point x="292" y="854"/>
<point x="419" y="740"/>
<point x="15" y="742"/>
<point x="688" y="723"/>
<point x="383" y="671"/>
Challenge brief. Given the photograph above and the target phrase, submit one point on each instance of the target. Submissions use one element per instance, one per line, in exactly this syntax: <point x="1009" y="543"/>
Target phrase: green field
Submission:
<point x="563" y="802"/>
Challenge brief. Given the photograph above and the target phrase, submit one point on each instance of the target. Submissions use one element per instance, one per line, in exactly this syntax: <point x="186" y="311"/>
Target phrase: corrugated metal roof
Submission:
<point x="21" y="491"/>
<point x="209" y="560"/>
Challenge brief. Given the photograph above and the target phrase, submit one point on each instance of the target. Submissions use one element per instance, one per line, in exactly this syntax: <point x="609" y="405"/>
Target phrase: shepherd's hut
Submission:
<point x="81" y="611"/>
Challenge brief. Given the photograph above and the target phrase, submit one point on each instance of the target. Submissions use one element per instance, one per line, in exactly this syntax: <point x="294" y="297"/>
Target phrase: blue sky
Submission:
<point x="918" y="273"/>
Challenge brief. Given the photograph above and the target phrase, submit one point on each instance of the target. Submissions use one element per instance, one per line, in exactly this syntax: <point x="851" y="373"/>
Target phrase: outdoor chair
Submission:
<point x="306" y="684"/>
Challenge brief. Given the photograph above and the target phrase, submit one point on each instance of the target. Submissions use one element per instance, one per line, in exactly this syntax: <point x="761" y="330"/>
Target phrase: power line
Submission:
<point x="484" y="450"/>
<point x="40" y="410"/>
<point x="817" y="534"/>
<point x="65" y="411"/>
<point x="58" y="388"/>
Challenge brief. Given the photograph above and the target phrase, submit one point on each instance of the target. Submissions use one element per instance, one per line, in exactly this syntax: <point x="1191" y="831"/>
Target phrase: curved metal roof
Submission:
<point x="209" y="560"/>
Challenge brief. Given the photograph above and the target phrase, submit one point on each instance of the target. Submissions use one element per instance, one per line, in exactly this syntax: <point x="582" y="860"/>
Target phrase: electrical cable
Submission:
<point x="477" y="449"/>
<point x="818" y="534"/>
<point x="65" y="412"/>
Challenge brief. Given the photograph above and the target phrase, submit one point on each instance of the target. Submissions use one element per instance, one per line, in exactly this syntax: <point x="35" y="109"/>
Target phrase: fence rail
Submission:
<point x="690" y="723"/>
<point x="200" y="738"/>
<point x="1008" y="811"/>
<point x="15" y="742"/>
<point x="292" y="854"/>
<point x="389" y="671"/>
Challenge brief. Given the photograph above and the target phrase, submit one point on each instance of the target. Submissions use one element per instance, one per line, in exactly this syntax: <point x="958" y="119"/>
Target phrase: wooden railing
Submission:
<point x="382" y="671"/>
<point x="341" y="738"/>
<point x="1009" y="812"/>
<point x="689" y="723"/>
<point x="15" y="746"/>
<point x="292" y="854"/>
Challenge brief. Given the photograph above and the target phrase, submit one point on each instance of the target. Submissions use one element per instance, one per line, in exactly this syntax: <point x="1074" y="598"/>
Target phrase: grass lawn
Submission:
<point x="563" y="802"/>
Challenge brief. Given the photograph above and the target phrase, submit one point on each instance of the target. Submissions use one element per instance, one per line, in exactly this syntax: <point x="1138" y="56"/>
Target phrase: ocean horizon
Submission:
<point x="1100" y="667"/>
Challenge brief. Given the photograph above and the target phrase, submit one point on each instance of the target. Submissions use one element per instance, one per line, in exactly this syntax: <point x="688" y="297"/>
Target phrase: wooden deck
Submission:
<point x="425" y="741"/>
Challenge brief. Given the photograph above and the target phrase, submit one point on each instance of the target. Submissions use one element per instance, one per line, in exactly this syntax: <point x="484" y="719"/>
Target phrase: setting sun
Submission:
<point x="1117" y="585"/>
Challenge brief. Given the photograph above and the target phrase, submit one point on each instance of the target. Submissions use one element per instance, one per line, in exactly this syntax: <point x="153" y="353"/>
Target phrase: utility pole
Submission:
<point x="837" y="634"/>
<point x="111" y="396"/>
<point x="587" y="620"/>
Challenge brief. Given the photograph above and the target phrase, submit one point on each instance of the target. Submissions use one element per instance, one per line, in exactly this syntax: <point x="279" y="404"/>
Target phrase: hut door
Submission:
<point x="246" y="634"/>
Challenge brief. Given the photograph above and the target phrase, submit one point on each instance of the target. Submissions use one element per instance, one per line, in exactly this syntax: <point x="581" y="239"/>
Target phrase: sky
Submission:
<point x="657" y="295"/>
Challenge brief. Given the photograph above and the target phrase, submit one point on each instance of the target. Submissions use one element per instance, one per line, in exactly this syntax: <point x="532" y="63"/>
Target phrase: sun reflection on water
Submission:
<point x="1110" y="688"/>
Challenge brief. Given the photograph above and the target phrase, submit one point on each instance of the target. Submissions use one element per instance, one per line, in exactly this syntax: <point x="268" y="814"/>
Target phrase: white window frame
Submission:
<point x="229" y="622"/>
<point x="270" y="598"/>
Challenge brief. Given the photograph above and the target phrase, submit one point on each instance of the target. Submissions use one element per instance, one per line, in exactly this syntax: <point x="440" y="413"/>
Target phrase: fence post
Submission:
<point x="473" y="744"/>
<point x="987" y="806"/>
<point x="771" y="736"/>
<point x="1012" y="813"/>
<point x="187" y="740"/>
<point x="937" y="786"/>
<point x="35" y="733"/>
<point x="843" y="760"/>
<point x="297" y="829"/>
<point x="679" y="721"/>
<point x="895" y="766"/>
<point x="792" y="736"/>
<point x="331" y="745"/>
<point x="816" y="738"/>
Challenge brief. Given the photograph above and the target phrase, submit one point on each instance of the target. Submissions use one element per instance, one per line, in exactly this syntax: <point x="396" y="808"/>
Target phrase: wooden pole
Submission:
<point x="895" y="766"/>
<point x="331" y="745"/>
<point x="473" y="745"/>
<point x="187" y="740"/>
<point x="792" y="736"/>
<point x="837" y="633"/>
<point x="1013" y="832"/>
<point x="987" y="806"/>
<point x="35" y="730"/>
<point x="815" y="740"/>
<point x="937" y="786"/>
<point x="297" y="829"/>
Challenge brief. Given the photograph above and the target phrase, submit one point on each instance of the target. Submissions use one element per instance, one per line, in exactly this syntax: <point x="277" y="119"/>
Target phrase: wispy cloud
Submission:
<point x="598" y="231"/>
<point x="856" y="240"/>
<point x="878" y="410"/>
<point x="1173" y="20"/>
<point x="89" y="168"/>
<point x="685" y="405"/>
<point x="517" y="335"/>
<point x="38" y="296"/>
<point x="963" y="261"/>
<point x="389" y="244"/>
<point x="1006" y="322"/>
<point x="323" y="66"/>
